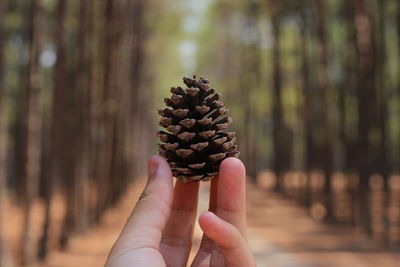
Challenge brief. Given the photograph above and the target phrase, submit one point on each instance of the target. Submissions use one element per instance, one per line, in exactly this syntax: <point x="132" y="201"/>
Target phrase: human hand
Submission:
<point x="160" y="228"/>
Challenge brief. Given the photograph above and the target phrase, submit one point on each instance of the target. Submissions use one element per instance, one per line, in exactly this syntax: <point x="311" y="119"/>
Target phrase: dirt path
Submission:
<point x="281" y="235"/>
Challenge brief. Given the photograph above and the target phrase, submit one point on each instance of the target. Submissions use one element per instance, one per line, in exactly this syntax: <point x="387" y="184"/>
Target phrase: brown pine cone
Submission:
<point x="195" y="141"/>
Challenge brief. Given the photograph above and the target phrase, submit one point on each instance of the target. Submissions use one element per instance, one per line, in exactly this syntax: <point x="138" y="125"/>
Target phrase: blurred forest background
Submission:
<point x="313" y="86"/>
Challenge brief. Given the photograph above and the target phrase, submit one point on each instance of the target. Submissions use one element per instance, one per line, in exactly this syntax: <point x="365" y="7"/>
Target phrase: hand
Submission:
<point x="160" y="228"/>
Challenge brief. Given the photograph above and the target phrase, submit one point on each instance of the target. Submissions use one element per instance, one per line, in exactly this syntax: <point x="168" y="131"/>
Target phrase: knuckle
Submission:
<point x="143" y="196"/>
<point x="142" y="199"/>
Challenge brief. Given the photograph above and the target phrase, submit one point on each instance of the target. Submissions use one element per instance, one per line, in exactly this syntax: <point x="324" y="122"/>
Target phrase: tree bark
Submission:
<point x="53" y="148"/>
<point x="347" y="89"/>
<point x="306" y="109"/>
<point x="109" y="104"/>
<point x="397" y="163"/>
<point x="277" y="110"/>
<point x="306" y="89"/>
<point x="83" y="118"/>
<point x="382" y="152"/>
<point x="249" y="82"/>
<point x="33" y="128"/>
<point x="136" y="99"/>
<point x="5" y="258"/>
<point x="365" y="88"/>
<point x="325" y="88"/>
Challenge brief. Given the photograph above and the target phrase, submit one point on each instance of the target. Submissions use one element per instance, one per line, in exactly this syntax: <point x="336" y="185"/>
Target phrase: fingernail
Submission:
<point x="152" y="167"/>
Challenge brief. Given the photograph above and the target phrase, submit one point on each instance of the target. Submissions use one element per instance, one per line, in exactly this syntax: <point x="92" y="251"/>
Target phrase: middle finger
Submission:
<point x="176" y="239"/>
<point x="207" y="245"/>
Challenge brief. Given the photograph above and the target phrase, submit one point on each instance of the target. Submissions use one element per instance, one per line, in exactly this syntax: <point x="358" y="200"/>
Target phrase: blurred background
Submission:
<point x="313" y="87"/>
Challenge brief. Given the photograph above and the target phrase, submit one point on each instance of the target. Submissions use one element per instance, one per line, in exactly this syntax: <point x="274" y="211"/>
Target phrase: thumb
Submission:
<point x="144" y="227"/>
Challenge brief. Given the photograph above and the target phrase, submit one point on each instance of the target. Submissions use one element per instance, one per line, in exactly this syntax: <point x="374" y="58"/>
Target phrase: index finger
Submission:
<point x="146" y="223"/>
<point x="231" y="196"/>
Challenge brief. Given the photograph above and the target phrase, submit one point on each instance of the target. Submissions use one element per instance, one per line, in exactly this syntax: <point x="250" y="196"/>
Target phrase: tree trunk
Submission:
<point x="135" y="97"/>
<point x="5" y="258"/>
<point x="348" y="93"/>
<point x="325" y="87"/>
<point x="53" y="148"/>
<point x="277" y="110"/>
<point x="130" y="46"/>
<point x="382" y="152"/>
<point x="33" y="128"/>
<point x="83" y="111"/>
<point x="365" y="87"/>
<point x="249" y="82"/>
<point x="307" y="100"/>
<point x="397" y="163"/>
<point x="109" y="104"/>
<point x="346" y="89"/>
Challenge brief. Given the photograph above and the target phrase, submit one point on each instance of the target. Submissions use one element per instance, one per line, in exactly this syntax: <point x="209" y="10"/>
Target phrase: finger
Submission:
<point x="231" y="206"/>
<point x="144" y="227"/>
<point x="176" y="239"/>
<point x="229" y="240"/>
<point x="202" y="257"/>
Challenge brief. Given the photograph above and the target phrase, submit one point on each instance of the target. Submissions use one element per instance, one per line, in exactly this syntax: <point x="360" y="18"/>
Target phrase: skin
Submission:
<point x="159" y="231"/>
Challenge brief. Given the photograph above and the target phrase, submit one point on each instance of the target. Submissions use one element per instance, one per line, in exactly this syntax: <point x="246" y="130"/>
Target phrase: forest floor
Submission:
<point x="281" y="234"/>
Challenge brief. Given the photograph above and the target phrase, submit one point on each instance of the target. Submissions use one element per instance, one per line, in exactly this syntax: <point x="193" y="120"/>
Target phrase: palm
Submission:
<point x="159" y="232"/>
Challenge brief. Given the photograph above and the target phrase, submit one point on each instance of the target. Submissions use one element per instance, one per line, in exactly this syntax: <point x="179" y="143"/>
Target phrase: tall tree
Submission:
<point x="33" y="127"/>
<point x="382" y="154"/>
<point x="78" y="106"/>
<point x="108" y="100"/>
<point x="365" y="90"/>
<point x="249" y="82"/>
<point x="83" y="115"/>
<point x="397" y="163"/>
<point x="325" y="88"/>
<point x="137" y="101"/>
<point x="306" y="88"/>
<point x="306" y="108"/>
<point x="54" y="147"/>
<point x="347" y="93"/>
<point x="5" y="259"/>
<point x="347" y="88"/>
<point x="278" y="134"/>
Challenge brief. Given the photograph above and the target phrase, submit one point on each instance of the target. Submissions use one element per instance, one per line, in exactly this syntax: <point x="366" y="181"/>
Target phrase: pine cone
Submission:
<point x="195" y="141"/>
